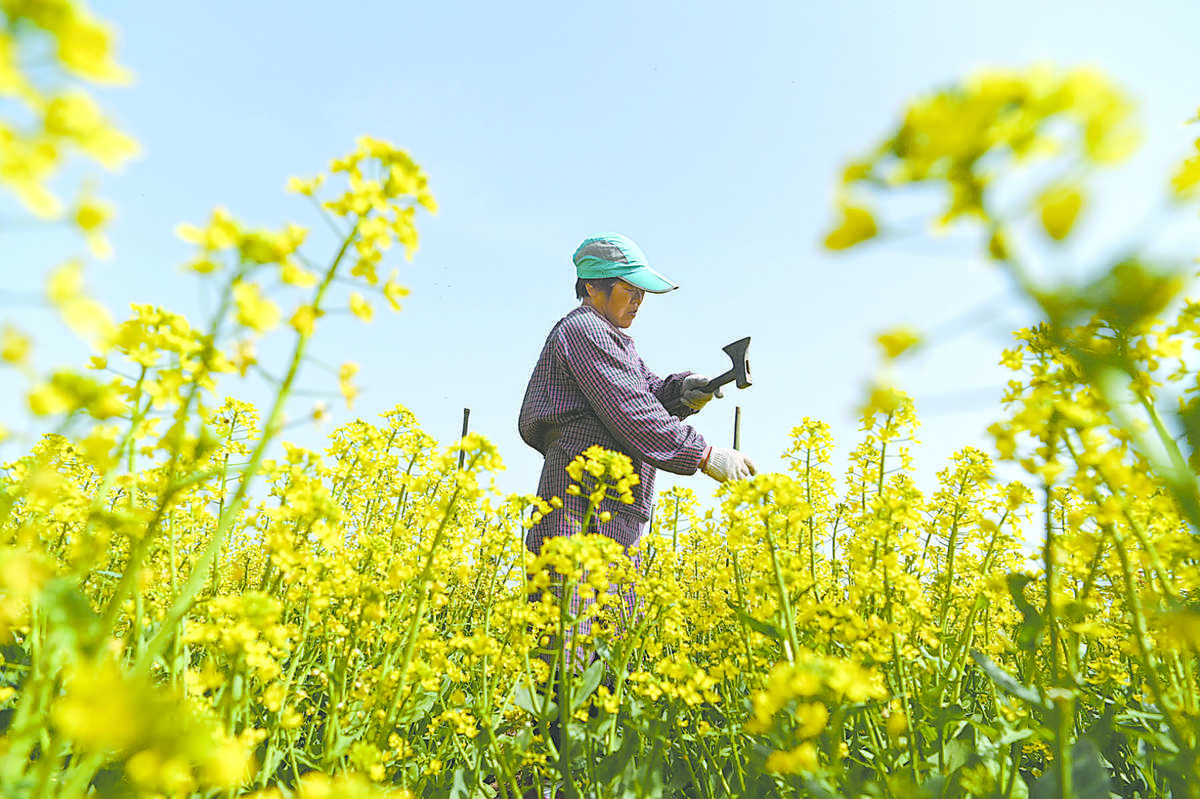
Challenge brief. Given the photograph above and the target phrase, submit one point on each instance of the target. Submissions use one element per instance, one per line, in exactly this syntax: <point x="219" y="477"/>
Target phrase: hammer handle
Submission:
<point x="720" y="380"/>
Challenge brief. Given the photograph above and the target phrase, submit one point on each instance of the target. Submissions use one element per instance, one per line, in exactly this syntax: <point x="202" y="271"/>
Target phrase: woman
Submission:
<point x="590" y="387"/>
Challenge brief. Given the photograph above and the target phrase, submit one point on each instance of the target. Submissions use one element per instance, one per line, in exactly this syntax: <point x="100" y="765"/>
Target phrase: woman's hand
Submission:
<point x="693" y="394"/>
<point x="722" y="463"/>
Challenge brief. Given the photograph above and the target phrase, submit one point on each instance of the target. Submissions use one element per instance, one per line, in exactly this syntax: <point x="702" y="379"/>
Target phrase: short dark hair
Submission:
<point x="605" y="284"/>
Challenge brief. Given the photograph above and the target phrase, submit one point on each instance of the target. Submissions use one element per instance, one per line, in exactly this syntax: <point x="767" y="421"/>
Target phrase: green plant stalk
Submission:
<point x="621" y="671"/>
<point x="951" y="545"/>
<point x="793" y="640"/>
<point x="564" y="686"/>
<point x="833" y="584"/>
<point x="173" y="669"/>
<point x="1180" y="478"/>
<point x="710" y="758"/>
<point x="692" y="771"/>
<point x="27" y="726"/>
<point x="981" y="603"/>
<point x="1147" y="546"/>
<point x="1064" y="706"/>
<point x="269" y="761"/>
<point x="76" y="781"/>
<point x="675" y="533"/>
<point x="878" y="490"/>
<point x="591" y="755"/>
<point x="737" y="758"/>
<point x="135" y="628"/>
<point x="567" y="590"/>
<point x="737" y="578"/>
<point x="1141" y="638"/>
<point x="911" y="735"/>
<point x="1014" y="754"/>
<point x="419" y="613"/>
<point x="138" y="548"/>
<point x="881" y="768"/>
<point x="812" y="532"/>
<point x="1062" y="734"/>
<point x="214" y="585"/>
<point x="110" y="476"/>
<point x="837" y="734"/>
<point x="527" y="672"/>
<point x="48" y="765"/>
<point x="200" y="569"/>
<point x="1048" y="566"/>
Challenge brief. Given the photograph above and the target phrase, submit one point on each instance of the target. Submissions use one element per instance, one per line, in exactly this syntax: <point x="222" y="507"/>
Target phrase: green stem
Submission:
<point x="567" y="589"/>
<point x="200" y="569"/>
<point x="419" y="613"/>
<point x="785" y="603"/>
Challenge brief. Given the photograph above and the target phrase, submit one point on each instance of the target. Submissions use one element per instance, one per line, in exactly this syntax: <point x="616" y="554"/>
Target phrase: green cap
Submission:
<point x="614" y="255"/>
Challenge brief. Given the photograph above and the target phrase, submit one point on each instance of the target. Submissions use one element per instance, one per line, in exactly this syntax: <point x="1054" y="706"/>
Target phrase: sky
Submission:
<point x="710" y="133"/>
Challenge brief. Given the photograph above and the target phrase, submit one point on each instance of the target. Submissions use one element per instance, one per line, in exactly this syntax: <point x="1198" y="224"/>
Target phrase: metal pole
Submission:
<point x="737" y="427"/>
<point x="462" y="454"/>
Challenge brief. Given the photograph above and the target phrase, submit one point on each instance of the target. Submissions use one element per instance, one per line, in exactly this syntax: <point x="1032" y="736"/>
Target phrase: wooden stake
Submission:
<point x="462" y="454"/>
<point x="737" y="427"/>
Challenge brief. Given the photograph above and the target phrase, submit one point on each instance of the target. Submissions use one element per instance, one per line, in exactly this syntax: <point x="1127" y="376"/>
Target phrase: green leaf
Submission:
<point x="935" y="786"/>
<point x="418" y="709"/>
<point x="1016" y="582"/>
<point x="614" y="765"/>
<point x="1006" y="681"/>
<point x="1012" y="736"/>
<point x="1132" y="292"/>
<point x="819" y="788"/>
<point x="587" y="684"/>
<point x="531" y="701"/>
<point x="1089" y="777"/>
<point x="956" y="753"/>
<point x="73" y="627"/>
<point x="341" y="744"/>
<point x="459" y="789"/>
<point x="1029" y="634"/>
<point x="770" y="629"/>
<point x="948" y="714"/>
<point x="1102" y="728"/>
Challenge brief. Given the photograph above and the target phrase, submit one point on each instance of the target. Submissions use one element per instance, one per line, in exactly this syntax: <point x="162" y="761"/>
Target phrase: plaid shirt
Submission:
<point x="590" y="386"/>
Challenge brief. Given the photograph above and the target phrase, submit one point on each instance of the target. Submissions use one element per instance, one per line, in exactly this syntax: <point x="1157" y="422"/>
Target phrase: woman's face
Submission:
<point x="620" y="305"/>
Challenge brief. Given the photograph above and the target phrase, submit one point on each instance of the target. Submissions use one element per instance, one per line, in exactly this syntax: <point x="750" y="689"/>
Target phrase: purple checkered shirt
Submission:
<point x="590" y="386"/>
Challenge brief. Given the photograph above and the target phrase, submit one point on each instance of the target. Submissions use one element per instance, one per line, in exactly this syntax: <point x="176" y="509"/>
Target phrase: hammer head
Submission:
<point x="741" y="363"/>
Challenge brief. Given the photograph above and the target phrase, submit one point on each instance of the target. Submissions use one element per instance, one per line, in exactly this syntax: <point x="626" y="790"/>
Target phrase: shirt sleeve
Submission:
<point x="668" y="391"/>
<point x="612" y="380"/>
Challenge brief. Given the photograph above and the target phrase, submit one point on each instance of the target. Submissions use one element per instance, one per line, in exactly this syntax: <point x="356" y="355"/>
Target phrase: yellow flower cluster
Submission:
<point x="600" y="475"/>
<point x="1102" y="416"/>
<point x="191" y="607"/>
<point x="62" y="118"/>
<point x="373" y="608"/>
<point x="994" y="121"/>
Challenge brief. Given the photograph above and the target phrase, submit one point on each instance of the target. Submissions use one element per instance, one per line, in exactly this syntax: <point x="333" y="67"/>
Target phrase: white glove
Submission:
<point x="727" y="464"/>
<point x="692" y="395"/>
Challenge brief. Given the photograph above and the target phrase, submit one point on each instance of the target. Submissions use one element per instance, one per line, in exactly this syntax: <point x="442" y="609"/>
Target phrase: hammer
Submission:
<point x="740" y="371"/>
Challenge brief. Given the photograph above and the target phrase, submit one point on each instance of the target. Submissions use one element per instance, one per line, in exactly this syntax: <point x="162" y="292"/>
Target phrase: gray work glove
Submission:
<point x="693" y="396"/>
<point x="724" y="464"/>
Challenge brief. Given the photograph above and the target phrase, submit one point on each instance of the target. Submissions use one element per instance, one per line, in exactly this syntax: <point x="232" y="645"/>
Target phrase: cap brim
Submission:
<point x="649" y="280"/>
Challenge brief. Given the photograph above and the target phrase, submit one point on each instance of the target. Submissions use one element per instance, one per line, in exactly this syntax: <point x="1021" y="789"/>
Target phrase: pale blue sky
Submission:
<point x="711" y="133"/>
